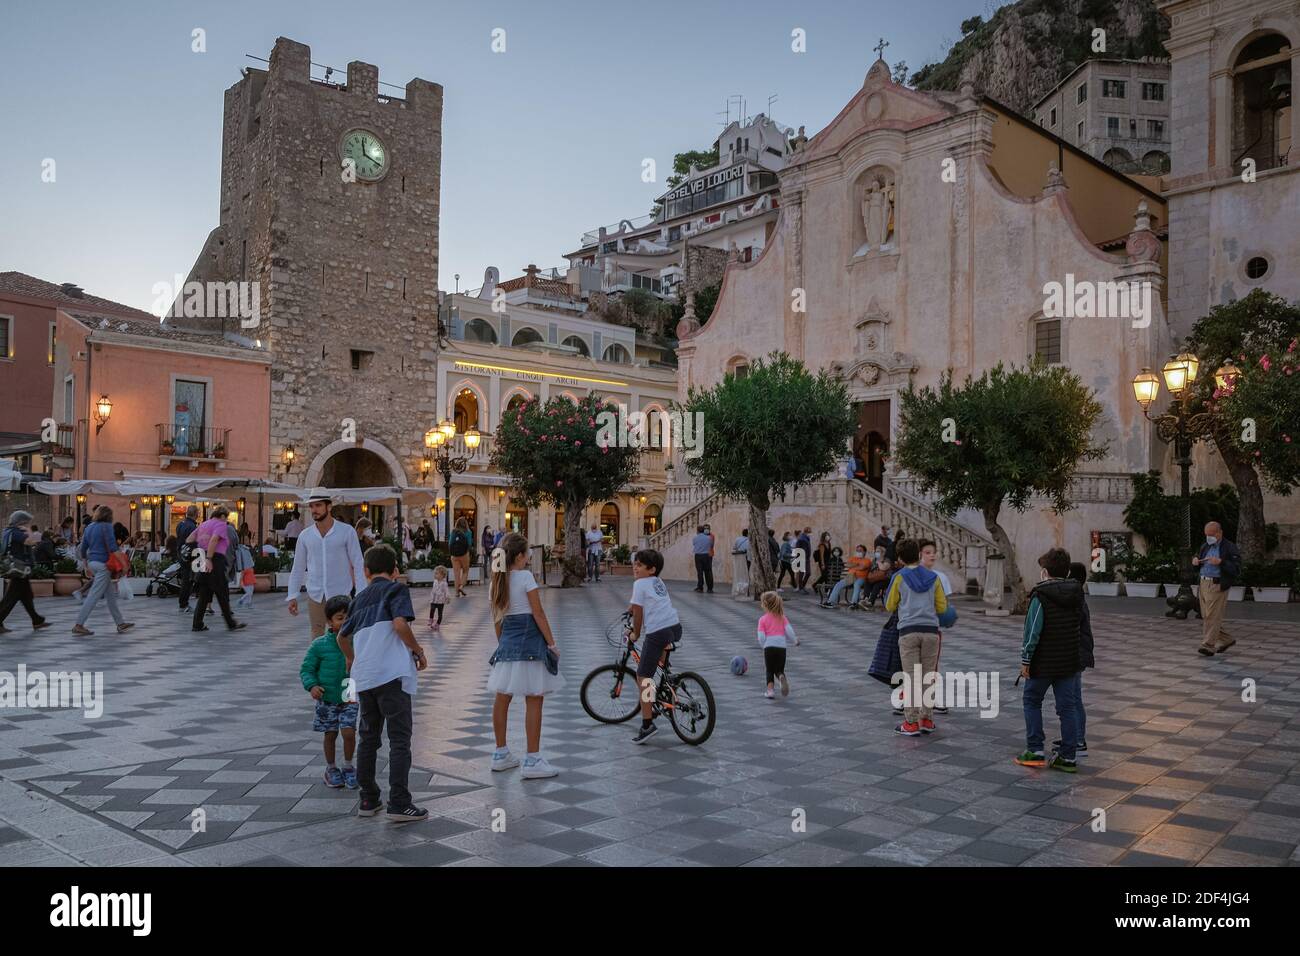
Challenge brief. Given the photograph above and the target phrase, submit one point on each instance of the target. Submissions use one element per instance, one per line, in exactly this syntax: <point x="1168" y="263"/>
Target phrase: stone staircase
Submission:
<point x="849" y="509"/>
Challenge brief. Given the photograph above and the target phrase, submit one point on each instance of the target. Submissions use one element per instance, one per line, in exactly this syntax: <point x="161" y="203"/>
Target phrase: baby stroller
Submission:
<point x="166" y="583"/>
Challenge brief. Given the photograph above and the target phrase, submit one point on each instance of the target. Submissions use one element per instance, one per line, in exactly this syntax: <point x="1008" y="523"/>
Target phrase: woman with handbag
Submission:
<point x="16" y="546"/>
<point x="105" y="562"/>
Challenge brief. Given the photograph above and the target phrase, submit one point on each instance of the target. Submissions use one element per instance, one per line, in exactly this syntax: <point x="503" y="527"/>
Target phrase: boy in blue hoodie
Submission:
<point x="918" y="598"/>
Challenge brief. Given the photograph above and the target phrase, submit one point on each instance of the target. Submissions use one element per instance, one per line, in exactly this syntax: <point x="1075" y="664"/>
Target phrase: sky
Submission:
<point x="541" y="142"/>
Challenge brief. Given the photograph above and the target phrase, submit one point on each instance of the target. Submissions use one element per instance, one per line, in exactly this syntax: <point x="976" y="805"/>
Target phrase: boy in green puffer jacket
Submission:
<point x="324" y="670"/>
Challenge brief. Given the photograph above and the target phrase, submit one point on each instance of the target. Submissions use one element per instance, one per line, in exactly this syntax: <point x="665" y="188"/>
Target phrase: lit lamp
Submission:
<point x="426" y="465"/>
<point x="1226" y="375"/>
<point x="447" y="427"/>
<point x="472" y="439"/>
<point x="442" y="502"/>
<point x="242" y="502"/>
<point x="133" y="506"/>
<point x="170" y="500"/>
<point x="103" y="408"/>
<point x="433" y="512"/>
<point x="1146" y="386"/>
<point x="431" y="438"/>
<point x="365" y="507"/>
<point x="81" y="499"/>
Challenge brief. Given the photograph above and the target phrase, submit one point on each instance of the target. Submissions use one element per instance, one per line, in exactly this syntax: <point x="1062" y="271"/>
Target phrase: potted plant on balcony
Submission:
<point x="168" y="446"/>
<point x="218" y="451"/>
<point x="1270" y="583"/>
<point x="264" y="565"/>
<point x="42" y="581"/>
<point x="67" y="577"/>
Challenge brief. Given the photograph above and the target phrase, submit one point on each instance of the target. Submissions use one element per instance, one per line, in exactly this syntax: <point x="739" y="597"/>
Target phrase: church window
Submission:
<point x="1047" y="341"/>
<point x="1256" y="267"/>
<point x="738" y="367"/>
<point x="1261" y="103"/>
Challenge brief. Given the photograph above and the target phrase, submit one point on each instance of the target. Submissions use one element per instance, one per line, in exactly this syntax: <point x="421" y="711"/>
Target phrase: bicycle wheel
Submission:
<point x="693" y="713"/>
<point x="609" y="694"/>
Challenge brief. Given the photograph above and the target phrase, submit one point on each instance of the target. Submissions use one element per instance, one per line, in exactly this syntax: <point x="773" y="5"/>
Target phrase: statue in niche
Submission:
<point x="877" y="214"/>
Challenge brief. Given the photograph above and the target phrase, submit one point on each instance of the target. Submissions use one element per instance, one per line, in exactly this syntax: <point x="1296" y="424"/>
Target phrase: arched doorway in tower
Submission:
<point x="358" y="468"/>
<point x="871" y="443"/>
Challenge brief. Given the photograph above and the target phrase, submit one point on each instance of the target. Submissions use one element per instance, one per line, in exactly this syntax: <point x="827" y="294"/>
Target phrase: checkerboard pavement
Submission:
<point x="1187" y="773"/>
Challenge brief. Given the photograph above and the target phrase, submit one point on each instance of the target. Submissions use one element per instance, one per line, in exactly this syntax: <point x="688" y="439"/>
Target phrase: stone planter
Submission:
<point x="280" y="580"/>
<point x="401" y="579"/>
<point x="1103" y="588"/>
<point x="261" y="583"/>
<point x="475" y="574"/>
<point x="1237" y="593"/>
<point x="1141" y="589"/>
<point x="420" y="575"/>
<point x="1271" y="595"/>
<point x="66" y="584"/>
<point x="139" y="586"/>
<point x="42" y="587"/>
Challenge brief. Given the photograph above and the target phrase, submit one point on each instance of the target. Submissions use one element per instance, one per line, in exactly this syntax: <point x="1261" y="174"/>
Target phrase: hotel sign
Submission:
<point x="736" y="171"/>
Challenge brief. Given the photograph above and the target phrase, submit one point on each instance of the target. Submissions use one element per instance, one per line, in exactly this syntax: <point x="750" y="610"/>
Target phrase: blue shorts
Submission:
<point x="335" y="716"/>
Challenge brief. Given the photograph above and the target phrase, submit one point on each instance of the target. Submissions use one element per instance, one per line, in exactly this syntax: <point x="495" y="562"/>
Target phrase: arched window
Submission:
<point x="651" y="519"/>
<point x="466" y="411"/>
<point x="526" y="336"/>
<point x="576" y="342"/>
<point x="1156" y="163"/>
<point x="616" y="353"/>
<point x="738" y="366"/>
<point x="1261" y="103"/>
<point x="467" y="508"/>
<point x="478" y="330"/>
<point x="1116" y="158"/>
<point x="609" y="522"/>
<point x="515" y="401"/>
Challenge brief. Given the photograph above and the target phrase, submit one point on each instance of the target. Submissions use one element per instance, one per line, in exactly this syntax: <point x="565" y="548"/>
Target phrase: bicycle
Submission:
<point x="611" y="694"/>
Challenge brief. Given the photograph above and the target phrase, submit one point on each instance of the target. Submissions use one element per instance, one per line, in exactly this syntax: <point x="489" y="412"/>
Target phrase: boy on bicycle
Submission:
<point x="652" y="611"/>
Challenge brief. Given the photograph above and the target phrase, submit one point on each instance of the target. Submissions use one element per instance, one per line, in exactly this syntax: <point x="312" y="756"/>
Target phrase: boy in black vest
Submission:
<point x="1049" y="657"/>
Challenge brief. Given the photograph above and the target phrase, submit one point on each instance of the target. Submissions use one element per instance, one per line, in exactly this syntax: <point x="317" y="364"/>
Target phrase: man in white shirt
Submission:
<point x="327" y="559"/>
<point x="292" y="530"/>
<point x="595" y="549"/>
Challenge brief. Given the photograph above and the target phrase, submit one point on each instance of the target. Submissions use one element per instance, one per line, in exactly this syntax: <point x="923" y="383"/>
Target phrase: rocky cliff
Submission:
<point x="1026" y="48"/>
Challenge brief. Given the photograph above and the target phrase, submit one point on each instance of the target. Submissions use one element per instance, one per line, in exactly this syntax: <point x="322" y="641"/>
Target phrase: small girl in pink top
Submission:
<point x="775" y="634"/>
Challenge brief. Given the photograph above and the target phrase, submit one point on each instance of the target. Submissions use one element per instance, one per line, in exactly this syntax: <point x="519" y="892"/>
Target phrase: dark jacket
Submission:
<point x="1230" y="562"/>
<point x="884" y="542"/>
<point x="1057" y="653"/>
<point x="775" y="550"/>
<point x="1085" y="637"/>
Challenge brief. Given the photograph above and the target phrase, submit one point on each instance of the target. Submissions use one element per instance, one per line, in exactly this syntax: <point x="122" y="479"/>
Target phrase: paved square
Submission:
<point x="1187" y="772"/>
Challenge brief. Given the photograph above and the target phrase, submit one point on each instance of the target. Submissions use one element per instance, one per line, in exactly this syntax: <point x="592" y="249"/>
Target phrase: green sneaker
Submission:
<point x="1060" y="763"/>
<point x="1031" y="758"/>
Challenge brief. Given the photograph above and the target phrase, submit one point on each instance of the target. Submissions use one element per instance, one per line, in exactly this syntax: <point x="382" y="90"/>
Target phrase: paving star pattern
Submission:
<point x="1187" y="772"/>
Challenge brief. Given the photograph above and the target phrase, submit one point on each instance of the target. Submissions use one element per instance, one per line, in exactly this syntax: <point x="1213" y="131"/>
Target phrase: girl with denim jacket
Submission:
<point x="526" y="660"/>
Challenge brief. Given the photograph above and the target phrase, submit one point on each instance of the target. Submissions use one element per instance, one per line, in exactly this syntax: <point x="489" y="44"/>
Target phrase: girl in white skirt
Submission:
<point x="526" y="660"/>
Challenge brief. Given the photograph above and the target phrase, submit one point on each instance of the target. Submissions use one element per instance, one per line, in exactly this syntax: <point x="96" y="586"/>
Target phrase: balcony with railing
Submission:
<point x="192" y="444"/>
<point x="63" y="447"/>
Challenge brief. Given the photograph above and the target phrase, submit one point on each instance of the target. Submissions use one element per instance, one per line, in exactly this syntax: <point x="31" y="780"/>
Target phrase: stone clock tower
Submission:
<point x="329" y="202"/>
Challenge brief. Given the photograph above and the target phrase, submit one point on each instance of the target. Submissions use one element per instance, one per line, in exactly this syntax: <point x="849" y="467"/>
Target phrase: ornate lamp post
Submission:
<point x="438" y="442"/>
<point x="1183" y="428"/>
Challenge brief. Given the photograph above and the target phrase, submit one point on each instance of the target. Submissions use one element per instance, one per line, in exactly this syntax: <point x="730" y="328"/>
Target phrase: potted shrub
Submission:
<point x="168" y="447"/>
<point x="42" y="581"/>
<point x="67" y="577"/>
<point x="264" y="565"/>
<point x="420" y="570"/>
<point x="283" y="568"/>
<point x="138" y="578"/>
<point x="218" y="451"/>
<point x="1142" y="576"/>
<point x="1270" y="583"/>
<point x="1103" y="584"/>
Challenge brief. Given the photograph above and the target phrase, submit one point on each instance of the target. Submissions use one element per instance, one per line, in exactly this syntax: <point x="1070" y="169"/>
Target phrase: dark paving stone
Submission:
<point x="572" y="842"/>
<point x="1257" y="847"/>
<point x="997" y="852"/>
<point x="424" y="854"/>
<point x="721" y="854"/>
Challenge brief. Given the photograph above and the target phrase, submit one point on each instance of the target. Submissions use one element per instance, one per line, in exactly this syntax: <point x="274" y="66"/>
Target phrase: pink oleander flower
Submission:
<point x="1265" y="362"/>
<point x="559" y="484"/>
<point x="1291" y="347"/>
<point x="577" y="443"/>
<point x="605" y="450"/>
<point x="591" y="421"/>
<point x="1218" y="393"/>
<point x="1287" y="439"/>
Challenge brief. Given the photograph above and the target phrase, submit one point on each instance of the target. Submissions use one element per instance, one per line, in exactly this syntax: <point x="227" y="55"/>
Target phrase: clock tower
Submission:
<point x="329" y="203"/>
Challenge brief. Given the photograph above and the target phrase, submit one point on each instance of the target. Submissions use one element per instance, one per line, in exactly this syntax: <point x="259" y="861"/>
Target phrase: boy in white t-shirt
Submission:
<point x="652" y="613"/>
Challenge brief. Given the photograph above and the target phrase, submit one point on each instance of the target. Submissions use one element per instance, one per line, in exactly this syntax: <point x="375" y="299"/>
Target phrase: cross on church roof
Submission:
<point x="880" y="48"/>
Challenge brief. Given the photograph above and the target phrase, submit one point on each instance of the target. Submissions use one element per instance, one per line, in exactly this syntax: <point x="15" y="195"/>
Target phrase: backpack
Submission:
<point x="459" y="543"/>
<point x="18" y="567"/>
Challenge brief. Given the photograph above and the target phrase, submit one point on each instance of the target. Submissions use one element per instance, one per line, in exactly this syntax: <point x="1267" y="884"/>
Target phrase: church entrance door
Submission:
<point x="871" y="442"/>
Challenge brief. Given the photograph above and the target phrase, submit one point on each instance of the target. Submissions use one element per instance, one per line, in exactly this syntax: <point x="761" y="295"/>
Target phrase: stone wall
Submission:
<point x="704" y="267"/>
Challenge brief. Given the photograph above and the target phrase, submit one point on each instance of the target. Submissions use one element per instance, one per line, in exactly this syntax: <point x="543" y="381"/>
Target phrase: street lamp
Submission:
<point x="438" y="440"/>
<point x="103" y="408"/>
<point x="1181" y="427"/>
<point x="286" y="458"/>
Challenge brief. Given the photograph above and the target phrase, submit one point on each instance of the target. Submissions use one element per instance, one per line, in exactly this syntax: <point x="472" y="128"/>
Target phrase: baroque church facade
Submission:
<point x="919" y="232"/>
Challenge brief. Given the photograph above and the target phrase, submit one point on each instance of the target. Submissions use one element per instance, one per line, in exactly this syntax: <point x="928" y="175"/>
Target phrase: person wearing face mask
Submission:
<point x="1219" y="564"/>
<point x="1050" y="657"/>
<point x="859" y="567"/>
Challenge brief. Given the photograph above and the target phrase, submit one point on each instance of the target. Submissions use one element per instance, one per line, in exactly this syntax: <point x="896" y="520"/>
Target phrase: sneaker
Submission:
<point x="350" y="778"/>
<point x="769" y="694"/>
<point x="1223" y="647"/>
<point x="645" y="733"/>
<point x="1060" y="763"/>
<point x="237" y="626"/>
<point x="535" y="768"/>
<point x="785" y="687"/>
<point x="81" y="630"/>
<point x="1031" y="758"/>
<point x="125" y="626"/>
<point x="927" y="726"/>
<point x="411" y="814"/>
<point x="185" y="610"/>
<point x="368" y="808"/>
<point x="40" y="625"/>
<point x="201" y="627"/>
<point x="1079" y="751"/>
<point x="334" y="778"/>
<point x="908" y="730"/>
<point x="504" y="761"/>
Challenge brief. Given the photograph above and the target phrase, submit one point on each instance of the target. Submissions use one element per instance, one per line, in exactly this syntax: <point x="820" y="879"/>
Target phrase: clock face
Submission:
<point x="367" y="152"/>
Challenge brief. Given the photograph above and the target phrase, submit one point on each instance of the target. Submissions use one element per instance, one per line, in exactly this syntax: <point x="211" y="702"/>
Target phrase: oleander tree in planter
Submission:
<point x="553" y="454"/>
<point x="778" y="426"/>
<point x="997" y="440"/>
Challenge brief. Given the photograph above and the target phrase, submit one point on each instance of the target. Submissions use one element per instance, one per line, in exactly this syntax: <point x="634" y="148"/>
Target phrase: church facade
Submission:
<point x="921" y="233"/>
